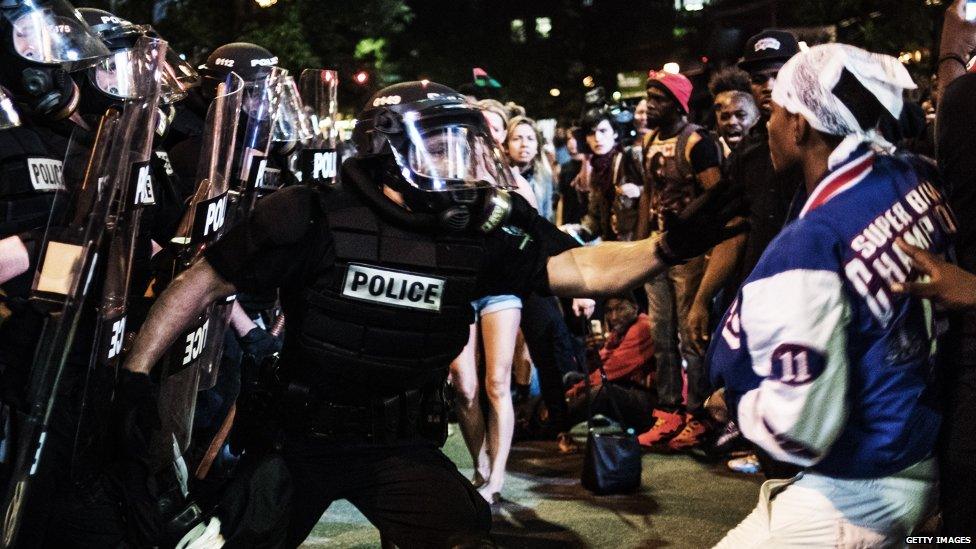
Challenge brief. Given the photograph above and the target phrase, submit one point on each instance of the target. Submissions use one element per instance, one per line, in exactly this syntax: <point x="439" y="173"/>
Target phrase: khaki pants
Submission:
<point x="816" y="511"/>
<point x="669" y="299"/>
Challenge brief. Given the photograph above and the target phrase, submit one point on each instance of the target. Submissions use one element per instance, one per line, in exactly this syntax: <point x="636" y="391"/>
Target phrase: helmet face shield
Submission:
<point x="52" y="33"/>
<point x="446" y="153"/>
<point x="121" y="75"/>
<point x="178" y="78"/>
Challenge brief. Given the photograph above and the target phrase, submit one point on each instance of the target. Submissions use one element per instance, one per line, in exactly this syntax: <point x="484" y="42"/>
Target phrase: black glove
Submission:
<point x="136" y="418"/>
<point x="703" y="224"/>
<point x="259" y="344"/>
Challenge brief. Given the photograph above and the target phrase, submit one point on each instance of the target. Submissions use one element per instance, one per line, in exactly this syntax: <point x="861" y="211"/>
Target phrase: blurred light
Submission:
<point x="361" y="78"/>
<point x="265" y="3"/>
<point x="424" y="82"/>
<point x="804" y="46"/>
<point x="589" y="82"/>
<point x="543" y="26"/>
<point x="616" y="96"/>
<point x="672" y="68"/>
<point x="554" y="92"/>
<point x="704" y="59"/>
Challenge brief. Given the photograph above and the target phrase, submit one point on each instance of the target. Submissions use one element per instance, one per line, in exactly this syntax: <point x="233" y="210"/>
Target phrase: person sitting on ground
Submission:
<point x="627" y="358"/>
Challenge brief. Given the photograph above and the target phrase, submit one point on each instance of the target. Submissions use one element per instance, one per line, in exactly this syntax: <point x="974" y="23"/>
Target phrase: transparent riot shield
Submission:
<point x="201" y="225"/>
<point x="258" y="115"/>
<point x="68" y="259"/>
<point x="317" y="162"/>
<point x="131" y="157"/>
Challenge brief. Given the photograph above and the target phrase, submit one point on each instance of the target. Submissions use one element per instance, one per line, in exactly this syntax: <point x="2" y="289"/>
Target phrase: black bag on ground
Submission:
<point x="612" y="464"/>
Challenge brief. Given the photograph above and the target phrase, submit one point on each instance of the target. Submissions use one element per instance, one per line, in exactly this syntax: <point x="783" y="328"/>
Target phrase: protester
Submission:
<point x="806" y="352"/>
<point x="955" y="132"/>
<point x="627" y="358"/>
<point x="524" y="146"/>
<point x="573" y="199"/>
<point x="497" y="320"/>
<point x="770" y="194"/>
<point x="680" y="161"/>
<point x="611" y="178"/>
<point x="736" y="111"/>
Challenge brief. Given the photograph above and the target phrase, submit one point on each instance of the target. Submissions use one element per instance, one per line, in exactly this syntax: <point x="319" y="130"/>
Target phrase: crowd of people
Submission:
<point x="778" y="281"/>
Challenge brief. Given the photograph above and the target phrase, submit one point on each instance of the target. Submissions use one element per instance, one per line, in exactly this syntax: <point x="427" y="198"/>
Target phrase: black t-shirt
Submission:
<point x="574" y="202"/>
<point x="769" y="195"/>
<point x="955" y="127"/>
<point x="286" y="235"/>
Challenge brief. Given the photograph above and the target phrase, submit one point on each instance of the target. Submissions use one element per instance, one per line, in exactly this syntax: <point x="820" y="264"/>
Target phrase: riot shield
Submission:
<point x="317" y="162"/>
<point x="258" y="115"/>
<point x="201" y="225"/>
<point x="131" y="156"/>
<point x="69" y="256"/>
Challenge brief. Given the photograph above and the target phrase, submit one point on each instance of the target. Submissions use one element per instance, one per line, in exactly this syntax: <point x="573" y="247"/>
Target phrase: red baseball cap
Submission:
<point x="676" y="85"/>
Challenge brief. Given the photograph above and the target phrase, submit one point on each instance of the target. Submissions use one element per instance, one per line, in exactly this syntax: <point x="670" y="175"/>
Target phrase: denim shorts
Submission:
<point x="494" y="303"/>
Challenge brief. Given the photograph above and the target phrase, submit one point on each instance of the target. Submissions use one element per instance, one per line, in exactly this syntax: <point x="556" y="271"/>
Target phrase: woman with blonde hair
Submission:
<point x="524" y="147"/>
<point x="498" y="318"/>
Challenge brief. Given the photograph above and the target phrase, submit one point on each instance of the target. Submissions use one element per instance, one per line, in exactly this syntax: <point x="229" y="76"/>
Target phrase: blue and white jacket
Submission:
<point x="823" y="365"/>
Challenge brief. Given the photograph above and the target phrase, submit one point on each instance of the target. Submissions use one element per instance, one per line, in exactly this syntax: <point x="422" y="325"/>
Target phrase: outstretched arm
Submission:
<point x="617" y="266"/>
<point x="604" y="269"/>
<point x="185" y="298"/>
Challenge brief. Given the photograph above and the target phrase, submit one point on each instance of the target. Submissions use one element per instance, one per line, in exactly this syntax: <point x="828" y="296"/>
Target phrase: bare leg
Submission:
<point x="499" y="330"/>
<point x="464" y="377"/>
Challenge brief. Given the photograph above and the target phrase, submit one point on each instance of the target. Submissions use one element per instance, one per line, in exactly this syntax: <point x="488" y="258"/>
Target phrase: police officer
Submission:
<point x="376" y="279"/>
<point x="249" y="61"/>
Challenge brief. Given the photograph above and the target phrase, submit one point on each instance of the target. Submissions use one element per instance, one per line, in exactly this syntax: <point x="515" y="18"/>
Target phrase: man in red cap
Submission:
<point x="680" y="161"/>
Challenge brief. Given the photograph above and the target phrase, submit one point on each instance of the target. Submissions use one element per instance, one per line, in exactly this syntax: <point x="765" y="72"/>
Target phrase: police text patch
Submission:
<point x="394" y="288"/>
<point x="45" y="174"/>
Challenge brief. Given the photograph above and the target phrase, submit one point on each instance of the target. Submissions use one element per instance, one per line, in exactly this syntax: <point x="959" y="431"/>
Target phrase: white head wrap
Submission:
<point x="806" y="86"/>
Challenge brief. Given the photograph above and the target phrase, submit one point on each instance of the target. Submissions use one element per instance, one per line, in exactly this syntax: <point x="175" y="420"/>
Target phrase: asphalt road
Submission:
<point x="683" y="502"/>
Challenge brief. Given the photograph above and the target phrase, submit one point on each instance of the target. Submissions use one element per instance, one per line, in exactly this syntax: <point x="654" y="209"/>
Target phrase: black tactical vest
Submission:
<point x="392" y="310"/>
<point x="30" y="173"/>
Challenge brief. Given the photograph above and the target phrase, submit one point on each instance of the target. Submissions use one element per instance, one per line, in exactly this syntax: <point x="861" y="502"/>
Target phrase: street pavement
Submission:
<point x="684" y="502"/>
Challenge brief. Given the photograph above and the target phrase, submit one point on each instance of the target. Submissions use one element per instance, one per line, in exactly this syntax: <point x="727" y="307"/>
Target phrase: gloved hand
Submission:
<point x="259" y="344"/>
<point x="137" y="403"/>
<point x="709" y="220"/>
<point x="136" y="418"/>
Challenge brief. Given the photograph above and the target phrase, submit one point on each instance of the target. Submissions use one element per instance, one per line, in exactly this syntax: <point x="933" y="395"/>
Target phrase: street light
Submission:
<point x="554" y="92"/>
<point x="361" y="78"/>
<point x="265" y="3"/>
<point x="589" y="82"/>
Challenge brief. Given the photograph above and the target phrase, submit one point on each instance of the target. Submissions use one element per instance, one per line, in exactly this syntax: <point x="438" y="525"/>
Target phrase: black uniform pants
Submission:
<point x="552" y="349"/>
<point x="413" y="494"/>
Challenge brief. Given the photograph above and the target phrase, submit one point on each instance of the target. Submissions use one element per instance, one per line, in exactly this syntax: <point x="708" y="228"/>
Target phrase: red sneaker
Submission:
<point x="666" y="425"/>
<point x="692" y="435"/>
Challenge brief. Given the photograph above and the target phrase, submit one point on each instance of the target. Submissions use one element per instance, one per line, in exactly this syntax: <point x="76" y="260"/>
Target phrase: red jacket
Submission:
<point x="624" y="357"/>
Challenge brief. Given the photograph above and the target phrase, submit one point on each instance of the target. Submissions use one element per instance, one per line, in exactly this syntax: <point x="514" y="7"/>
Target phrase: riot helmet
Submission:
<point x="109" y="81"/>
<point x="250" y="61"/>
<point x="44" y="40"/>
<point x="436" y="149"/>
